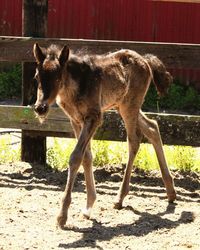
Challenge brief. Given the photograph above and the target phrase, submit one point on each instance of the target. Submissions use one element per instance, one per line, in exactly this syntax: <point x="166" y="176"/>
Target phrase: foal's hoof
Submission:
<point x="171" y="197"/>
<point x="118" y="205"/>
<point x="86" y="213"/>
<point x="61" y="221"/>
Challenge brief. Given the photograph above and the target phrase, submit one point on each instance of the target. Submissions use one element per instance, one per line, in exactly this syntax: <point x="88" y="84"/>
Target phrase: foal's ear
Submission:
<point x="38" y="54"/>
<point x="64" y="55"/>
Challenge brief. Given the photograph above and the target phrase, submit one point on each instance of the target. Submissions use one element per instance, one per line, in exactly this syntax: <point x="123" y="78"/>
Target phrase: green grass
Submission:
<point x="105" y="153"/>
<point x="115" y="153"/>
<point x="9" y="151"/>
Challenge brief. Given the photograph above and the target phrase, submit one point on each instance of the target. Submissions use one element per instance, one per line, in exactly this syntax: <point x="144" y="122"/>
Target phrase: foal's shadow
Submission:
<point x="170" y="209"/>
<point x="146" y="223"/>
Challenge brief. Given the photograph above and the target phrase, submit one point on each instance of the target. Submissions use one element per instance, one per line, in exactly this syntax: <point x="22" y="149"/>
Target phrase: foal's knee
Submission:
<point x="87" y="159"/>
<point x="75" y="159"/>
<point x="153" y="133"/>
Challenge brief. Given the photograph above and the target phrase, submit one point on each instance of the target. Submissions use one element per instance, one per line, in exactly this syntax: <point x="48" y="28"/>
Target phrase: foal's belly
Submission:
<point x="112" y="95"/>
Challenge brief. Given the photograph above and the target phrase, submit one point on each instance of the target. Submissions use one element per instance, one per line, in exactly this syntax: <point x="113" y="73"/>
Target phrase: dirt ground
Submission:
<point x="30" y="199"/>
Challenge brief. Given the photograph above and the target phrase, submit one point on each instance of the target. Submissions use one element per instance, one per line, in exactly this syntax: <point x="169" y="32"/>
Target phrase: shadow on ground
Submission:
<point x="146" y="224"/>
<point x="142" y="183"/>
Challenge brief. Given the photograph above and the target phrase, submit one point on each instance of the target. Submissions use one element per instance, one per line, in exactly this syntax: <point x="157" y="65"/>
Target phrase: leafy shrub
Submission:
<point x="10" y="82"/>
<point x="101" y="153"/>
<point x="179" y="97"/>
<point x="184" y="158"/>
<point x="146" y="158"/>
<point x="59" y="151"/>
<point x="115" y="153"/>
<point x="105" y="152"/>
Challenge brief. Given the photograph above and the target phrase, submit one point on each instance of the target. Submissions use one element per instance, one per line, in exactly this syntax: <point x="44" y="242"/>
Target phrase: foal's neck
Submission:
<point x="68" y="88"/>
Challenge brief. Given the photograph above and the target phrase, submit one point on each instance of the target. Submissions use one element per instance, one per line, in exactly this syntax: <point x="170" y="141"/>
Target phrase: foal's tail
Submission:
<point x="161" y="77"/>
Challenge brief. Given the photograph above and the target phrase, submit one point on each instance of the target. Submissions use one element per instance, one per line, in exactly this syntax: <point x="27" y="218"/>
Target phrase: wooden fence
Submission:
<point x="175" y="129"/>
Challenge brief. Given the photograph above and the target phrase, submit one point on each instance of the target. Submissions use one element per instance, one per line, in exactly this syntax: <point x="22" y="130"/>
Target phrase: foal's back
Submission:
<point x="125" y="77"/>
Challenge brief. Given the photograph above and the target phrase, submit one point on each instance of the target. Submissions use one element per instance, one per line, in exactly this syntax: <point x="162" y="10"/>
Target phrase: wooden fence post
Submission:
<point x="34" y="24"/>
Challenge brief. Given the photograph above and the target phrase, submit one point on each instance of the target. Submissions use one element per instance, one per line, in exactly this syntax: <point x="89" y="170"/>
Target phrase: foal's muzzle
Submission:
<point x="41" y="109"/>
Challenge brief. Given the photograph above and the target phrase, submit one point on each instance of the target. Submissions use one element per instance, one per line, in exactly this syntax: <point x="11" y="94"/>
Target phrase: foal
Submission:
<point x="86" y="86"/>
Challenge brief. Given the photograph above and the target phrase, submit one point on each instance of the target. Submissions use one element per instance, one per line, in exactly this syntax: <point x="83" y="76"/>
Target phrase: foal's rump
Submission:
<point x="135" y="64"/>
<point x="125" y="74"/>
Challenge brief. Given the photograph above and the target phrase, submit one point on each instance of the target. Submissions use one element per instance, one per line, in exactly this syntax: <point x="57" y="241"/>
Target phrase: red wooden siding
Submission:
<point x="177" y="22"/>
<point x="100" y="19"/>
<point x="136" y="20"/>
<point x="10" y="18"/>
<point x="139" y="20"/>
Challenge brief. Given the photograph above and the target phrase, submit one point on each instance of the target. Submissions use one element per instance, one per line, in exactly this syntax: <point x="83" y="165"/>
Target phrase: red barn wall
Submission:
<point x="139" y="20"/>
<point x="136" y="20"/>
<point x="10" y="18"/>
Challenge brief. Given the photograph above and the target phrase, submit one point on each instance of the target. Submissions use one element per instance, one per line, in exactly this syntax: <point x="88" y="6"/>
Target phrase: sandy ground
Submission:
<point x="30" y="199"/>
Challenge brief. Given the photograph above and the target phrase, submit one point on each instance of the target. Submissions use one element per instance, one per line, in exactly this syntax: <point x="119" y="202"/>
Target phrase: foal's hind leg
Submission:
<point x="151" y="131"/>
<point x="134" y="137"/>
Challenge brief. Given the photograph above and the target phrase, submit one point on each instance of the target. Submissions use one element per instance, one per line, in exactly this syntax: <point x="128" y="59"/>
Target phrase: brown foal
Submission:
<point x="85" y="86"/>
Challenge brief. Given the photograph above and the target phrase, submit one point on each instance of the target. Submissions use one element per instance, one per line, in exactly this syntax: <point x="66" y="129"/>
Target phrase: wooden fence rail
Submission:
<point x="176" y="55"/>
<point x="175" y="129"/>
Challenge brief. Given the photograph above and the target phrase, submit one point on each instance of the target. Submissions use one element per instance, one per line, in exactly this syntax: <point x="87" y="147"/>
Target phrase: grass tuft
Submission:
<point x="106" y="153"/>
<point x="116" y="153"/>
<point x="9" y="151"/>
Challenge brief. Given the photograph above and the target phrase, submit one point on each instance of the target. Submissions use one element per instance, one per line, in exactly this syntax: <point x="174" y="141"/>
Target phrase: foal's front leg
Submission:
<point x="88" y="172"/>
<point x="75" y="161"/>
<point x="90" y="183"/>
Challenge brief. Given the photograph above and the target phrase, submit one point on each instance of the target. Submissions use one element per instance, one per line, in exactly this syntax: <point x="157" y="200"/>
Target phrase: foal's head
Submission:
<point x="50" y="64"/>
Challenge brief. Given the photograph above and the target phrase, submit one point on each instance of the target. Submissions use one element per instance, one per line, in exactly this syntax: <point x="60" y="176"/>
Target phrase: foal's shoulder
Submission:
<point x="84" y="71"/>
<point x="82" y="67"/>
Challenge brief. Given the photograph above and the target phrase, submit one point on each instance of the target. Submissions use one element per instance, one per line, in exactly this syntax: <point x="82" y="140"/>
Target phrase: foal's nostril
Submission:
<point x="41" y="109"/>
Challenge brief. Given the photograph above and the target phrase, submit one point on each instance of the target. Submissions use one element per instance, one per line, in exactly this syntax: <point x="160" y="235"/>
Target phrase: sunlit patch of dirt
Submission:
<point x="30" y="199"/>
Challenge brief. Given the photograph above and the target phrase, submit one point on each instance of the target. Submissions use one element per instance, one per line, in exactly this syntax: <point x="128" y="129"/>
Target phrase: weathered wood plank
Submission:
<point x="34" y="23"/>
<point x="24" y="118"/>
<point x="18" y="49"/>
<point x="178" y="129"/>
<point x="175" y="129"/>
